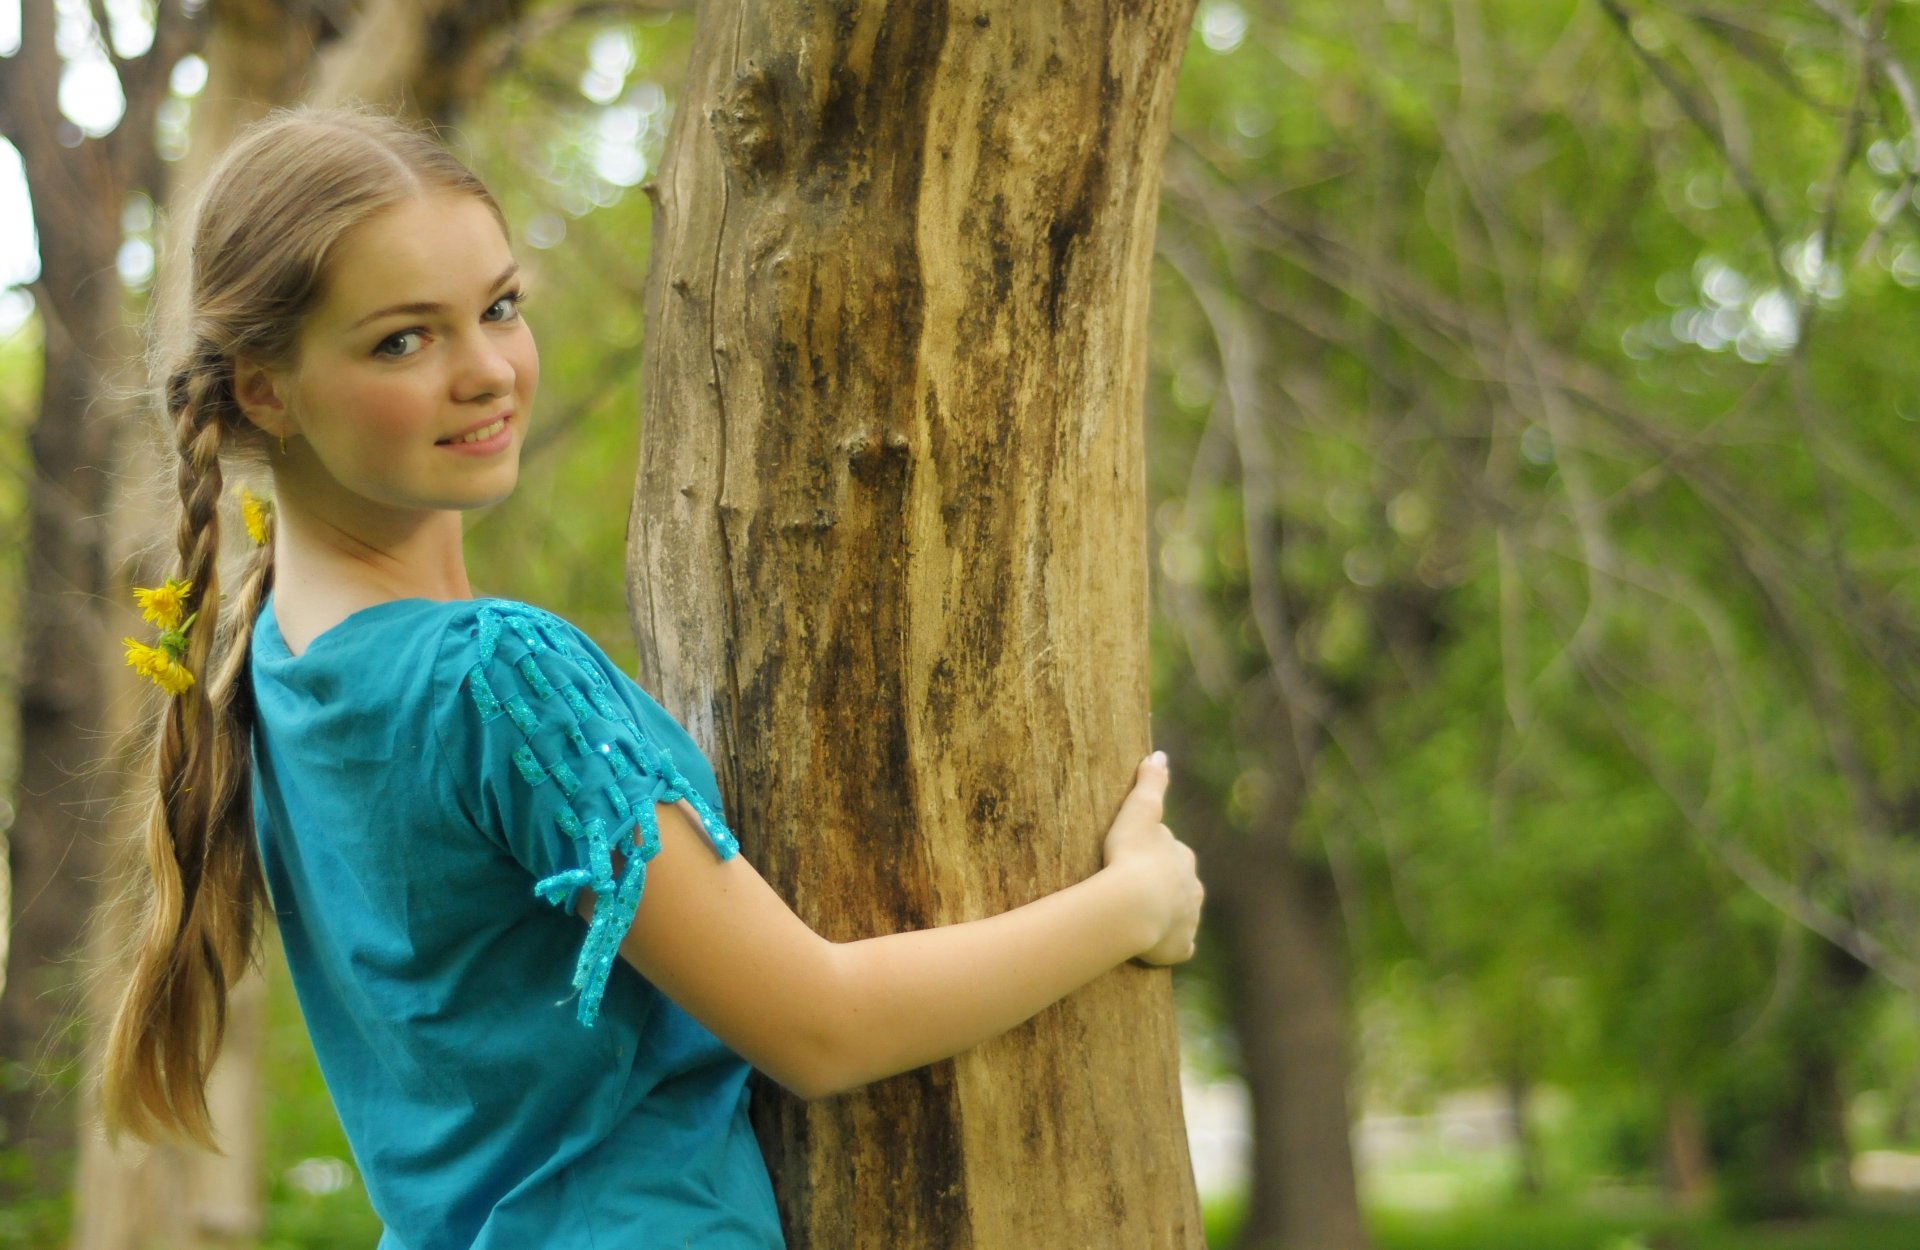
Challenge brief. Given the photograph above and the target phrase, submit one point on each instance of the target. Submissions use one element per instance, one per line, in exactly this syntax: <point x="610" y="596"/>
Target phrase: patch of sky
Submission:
<point x="1252" y="119"/>
<point x="1703" y="190"/>
<point x="649" y="97"/>
<point x="132" y="27"/>
<point x="1816" y="274"/>
<point x="544" y="230"/>
<point x="1222" y="25"/>
<point x="1718" y="308"/>
<point x="320" y="1176"/>
<point x="610" y="58"/>
<point x="89" y="94"/>
<point x="1886" y="202"/>
<point x="16" y="306"/>
<point x="1904" y="265"/>
<point x="19" y="247"/>
<point x="90" y="99"/>
<point x="189" y="76"/>
<point x="617" y="157"/>
<point x="1885" y="159"/>
<point x="135" y="259"/>
<point x="172" y="122"/>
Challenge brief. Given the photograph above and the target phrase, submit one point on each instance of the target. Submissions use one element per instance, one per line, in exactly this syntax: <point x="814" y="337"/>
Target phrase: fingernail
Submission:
<point x="1159" y="757"/>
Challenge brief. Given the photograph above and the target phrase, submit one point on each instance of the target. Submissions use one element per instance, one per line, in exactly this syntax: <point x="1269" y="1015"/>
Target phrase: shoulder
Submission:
<point x="488" y="626"/>
<point x="505" y="658"/>
<point x="490" y="633"/>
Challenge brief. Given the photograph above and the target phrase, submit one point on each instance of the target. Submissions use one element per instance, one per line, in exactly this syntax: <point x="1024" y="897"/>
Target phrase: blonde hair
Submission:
<point x="258" y="238"/>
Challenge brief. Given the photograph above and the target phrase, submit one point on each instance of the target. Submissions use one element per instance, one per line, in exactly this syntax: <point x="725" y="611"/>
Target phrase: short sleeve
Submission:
<point x="555" y="767"/>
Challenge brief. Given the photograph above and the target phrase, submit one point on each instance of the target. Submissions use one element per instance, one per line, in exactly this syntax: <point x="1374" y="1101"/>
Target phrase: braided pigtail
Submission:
<point x="274" y="207"/>
<point x="201" y="924"/>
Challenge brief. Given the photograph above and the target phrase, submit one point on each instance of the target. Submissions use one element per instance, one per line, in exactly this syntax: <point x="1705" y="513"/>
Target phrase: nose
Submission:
<point x="485" y="370"/>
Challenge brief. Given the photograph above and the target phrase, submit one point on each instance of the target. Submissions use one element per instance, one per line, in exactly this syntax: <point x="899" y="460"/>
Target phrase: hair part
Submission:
<point x="259" y="235"/>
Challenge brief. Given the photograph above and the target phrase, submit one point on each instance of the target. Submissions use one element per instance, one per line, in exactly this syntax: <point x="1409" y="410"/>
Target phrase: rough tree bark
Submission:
<point x="887" y="557"/>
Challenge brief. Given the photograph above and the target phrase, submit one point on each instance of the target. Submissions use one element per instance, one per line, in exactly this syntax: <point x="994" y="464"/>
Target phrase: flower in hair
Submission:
<point x="165" y="604"/>
<point x="159" y="664"/>
<point x="165" y="662"/>
<point x="257" y="512"/>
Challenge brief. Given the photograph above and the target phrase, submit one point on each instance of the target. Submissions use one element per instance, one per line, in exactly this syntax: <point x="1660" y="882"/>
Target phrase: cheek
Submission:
<point x="526" y="364"/>
<point x="372" y="415"/>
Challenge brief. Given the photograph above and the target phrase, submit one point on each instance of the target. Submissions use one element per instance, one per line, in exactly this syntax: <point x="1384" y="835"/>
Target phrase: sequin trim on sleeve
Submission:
<point x="532" y="697"/>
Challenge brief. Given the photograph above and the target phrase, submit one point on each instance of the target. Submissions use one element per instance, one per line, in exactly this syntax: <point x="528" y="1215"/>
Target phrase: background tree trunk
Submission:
<point x="888" y="556"/>
<point x="1686" y="1165"/>
<point x="1280" y="922"/>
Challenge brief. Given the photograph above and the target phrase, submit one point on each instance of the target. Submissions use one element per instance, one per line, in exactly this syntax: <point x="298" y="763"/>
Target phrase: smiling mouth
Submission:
<point x="480" y="435"/>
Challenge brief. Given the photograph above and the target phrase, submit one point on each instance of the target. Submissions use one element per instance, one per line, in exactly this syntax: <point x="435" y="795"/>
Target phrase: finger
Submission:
<point x="1150" y="785"/>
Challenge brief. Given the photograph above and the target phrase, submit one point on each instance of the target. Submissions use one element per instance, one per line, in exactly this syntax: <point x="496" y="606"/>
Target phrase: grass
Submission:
<point x="1636" y="1224"/>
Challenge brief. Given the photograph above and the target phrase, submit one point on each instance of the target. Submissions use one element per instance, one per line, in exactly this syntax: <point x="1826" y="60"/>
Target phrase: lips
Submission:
<point x="477" y="425"/>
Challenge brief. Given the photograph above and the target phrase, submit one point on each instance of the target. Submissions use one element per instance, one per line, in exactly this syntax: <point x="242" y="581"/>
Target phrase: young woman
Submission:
<point x="534" y="968"/>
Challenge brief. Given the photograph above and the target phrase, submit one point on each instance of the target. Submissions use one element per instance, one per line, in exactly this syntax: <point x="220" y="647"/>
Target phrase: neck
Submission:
<point x="364" y="554"/>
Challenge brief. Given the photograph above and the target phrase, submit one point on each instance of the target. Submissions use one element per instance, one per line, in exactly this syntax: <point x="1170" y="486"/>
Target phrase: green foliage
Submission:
<point x="19" y="399"/>
<point x="1562" y="384"/>
<point x="40" y="1217"/>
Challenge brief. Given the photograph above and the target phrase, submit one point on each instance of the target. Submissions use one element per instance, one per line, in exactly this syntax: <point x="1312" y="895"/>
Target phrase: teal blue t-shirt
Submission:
<point x="434" y="781"/>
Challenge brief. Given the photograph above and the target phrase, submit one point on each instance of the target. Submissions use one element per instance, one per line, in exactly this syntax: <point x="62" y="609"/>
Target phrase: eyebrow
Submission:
<point x="421" y="309"/>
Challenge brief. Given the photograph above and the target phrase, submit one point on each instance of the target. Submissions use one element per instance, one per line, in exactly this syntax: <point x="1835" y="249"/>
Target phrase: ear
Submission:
<point x="261" y="392"/>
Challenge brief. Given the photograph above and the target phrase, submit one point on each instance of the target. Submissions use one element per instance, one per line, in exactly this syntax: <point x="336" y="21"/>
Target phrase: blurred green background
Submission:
<point x="1531" y="423"/>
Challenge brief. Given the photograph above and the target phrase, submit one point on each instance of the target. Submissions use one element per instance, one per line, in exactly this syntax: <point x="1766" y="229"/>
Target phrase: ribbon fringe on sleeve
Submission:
<point x="538" y="701"/>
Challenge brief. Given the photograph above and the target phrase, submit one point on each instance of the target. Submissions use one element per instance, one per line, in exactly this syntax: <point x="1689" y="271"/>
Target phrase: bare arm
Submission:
<point x="821" y="1017"/>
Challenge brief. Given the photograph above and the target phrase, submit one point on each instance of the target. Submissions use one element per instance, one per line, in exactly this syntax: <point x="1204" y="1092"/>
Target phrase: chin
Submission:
<point x="498" y="496"/>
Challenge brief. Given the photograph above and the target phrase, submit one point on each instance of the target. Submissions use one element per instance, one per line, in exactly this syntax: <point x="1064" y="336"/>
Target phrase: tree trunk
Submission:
<point x="1687" y="1166"/>
<point x="1518" y="1088"/>
<point x="888" y="556"/>
<point x="1279" y="920"/>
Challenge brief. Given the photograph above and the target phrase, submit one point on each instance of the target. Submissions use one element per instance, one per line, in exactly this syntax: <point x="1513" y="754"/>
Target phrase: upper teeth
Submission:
<point x="486" y="432"/>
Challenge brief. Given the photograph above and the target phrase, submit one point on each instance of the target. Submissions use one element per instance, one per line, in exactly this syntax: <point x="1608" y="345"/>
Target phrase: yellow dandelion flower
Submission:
<point x="255" y="511"/>
<point x="173" y="678"/>
<point x="145" y="660"/>
<point x="159" y="664"/>
<point x="162" y="605"/>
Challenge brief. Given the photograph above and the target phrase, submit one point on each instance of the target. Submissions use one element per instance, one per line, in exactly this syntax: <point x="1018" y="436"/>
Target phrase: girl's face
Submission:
<point x="417" y="339"/>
